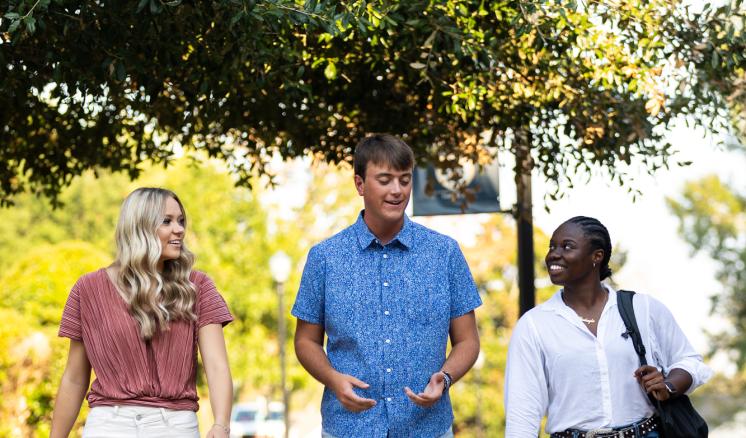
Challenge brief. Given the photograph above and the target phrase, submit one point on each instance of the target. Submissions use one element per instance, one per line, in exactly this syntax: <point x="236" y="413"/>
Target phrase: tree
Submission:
<point x="712" y="220"/>
<point x="584" y="85"/>
<point x="33" y="291"/>
<point x="233" y="231"/>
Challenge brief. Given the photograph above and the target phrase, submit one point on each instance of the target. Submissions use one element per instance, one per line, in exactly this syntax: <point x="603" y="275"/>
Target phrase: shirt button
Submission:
<point x="388" y="341"/>
<point x="138" y="417"/>
<point x="388" y="398"/>
<point x="388" y="370"/>
<point x="385" y="283"/>
<point x="385" y="256"/>
<point x="386" y="312"/>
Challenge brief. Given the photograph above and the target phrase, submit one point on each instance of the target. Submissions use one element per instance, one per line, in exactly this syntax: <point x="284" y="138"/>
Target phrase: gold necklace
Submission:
<point x="588" y="321"/>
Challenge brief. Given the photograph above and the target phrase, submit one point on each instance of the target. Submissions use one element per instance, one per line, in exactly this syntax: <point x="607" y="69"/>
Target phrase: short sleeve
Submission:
<point x="309" y="303"/>
<point x="70" y="326"/>
<point x="464" y="294"/>
<point x="211" y="307"/>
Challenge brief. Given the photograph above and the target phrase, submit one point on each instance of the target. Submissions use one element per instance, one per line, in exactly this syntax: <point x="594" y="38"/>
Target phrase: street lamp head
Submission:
<point x="280" y="266"/>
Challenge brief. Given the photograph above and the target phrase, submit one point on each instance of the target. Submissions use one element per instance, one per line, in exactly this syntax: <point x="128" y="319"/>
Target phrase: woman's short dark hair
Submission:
<point x="599" y="238"/>
<point x="382" y="149"/>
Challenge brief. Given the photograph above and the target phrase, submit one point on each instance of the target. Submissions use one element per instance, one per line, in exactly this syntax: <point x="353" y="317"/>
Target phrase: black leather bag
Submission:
<point x="678" y="417"/>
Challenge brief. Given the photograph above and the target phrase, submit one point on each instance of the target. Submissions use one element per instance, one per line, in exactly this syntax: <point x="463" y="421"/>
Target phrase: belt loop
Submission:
<point x="637" y="430"/>
<point x="165" y="419"/>
<point x="116" y="411"/>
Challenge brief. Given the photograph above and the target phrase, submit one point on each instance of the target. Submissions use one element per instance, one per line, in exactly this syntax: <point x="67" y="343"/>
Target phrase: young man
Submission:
<point x="386" y="292"/>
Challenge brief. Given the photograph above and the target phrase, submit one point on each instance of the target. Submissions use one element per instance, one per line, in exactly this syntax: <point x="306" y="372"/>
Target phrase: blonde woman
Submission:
<point x="138" y="324"/>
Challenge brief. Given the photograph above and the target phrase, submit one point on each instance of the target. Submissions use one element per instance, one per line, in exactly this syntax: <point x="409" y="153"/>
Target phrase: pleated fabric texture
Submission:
<point x="160" y="372"/>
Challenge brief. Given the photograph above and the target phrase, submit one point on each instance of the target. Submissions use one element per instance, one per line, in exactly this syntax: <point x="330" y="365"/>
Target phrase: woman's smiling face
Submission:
<point x="171" y="231"/>
<point x="570" y="257"/>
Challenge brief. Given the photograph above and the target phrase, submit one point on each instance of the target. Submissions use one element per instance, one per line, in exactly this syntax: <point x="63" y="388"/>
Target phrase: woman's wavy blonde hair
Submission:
<point x="154" y="298"/>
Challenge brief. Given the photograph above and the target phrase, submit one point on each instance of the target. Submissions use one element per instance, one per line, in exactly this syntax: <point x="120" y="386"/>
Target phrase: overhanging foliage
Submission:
<point x="594" y="84"/>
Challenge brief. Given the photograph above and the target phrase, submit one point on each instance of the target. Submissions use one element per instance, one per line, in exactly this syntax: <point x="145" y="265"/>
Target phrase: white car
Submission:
<point x="247" y="420"/>
<point x="274" y="423"/>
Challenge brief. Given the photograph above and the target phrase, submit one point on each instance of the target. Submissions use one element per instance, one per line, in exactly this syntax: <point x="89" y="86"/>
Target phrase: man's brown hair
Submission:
<point x="382" y="149"/>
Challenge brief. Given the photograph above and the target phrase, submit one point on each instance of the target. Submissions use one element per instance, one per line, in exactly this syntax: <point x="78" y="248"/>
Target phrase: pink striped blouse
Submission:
<point x="161" y="372"/>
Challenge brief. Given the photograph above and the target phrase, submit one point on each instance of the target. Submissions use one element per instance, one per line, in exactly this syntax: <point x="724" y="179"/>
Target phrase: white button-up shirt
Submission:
<point x="580" y="381"/>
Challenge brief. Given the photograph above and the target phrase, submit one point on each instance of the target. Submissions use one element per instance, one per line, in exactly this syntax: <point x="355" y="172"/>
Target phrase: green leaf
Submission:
<point x="13" y="26"/>
<point x="12" y="15"/>
<point x="141" y="5"/>
<point x="236" y="18"/>
<point x="330" y="71"/>
<point x="30" y="23"/>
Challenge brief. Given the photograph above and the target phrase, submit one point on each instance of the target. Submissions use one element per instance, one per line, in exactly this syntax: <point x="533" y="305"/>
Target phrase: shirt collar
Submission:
<point x="365" y="237"/>
<point x="557" y="305"/>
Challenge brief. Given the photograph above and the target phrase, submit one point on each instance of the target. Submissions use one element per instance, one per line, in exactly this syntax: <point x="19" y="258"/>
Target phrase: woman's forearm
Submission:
<point x="73" y="386"/>
<point x="219" y="381"/>
<point x="67" y="407"/>
<point x="680" y="379"/>
<point x="220" y="386"/>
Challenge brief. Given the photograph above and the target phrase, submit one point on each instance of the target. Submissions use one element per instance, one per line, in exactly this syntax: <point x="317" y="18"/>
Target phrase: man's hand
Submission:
<point x="342" y="386"/>
<point x="651" y="380"/>
<point x="432" y="393"/>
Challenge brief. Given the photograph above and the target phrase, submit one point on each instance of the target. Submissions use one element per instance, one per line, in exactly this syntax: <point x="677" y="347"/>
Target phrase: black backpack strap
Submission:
<point x="627" y="312"/>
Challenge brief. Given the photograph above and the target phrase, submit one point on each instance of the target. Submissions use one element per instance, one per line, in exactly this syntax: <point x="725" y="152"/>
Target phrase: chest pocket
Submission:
<point x="429" y="306"/>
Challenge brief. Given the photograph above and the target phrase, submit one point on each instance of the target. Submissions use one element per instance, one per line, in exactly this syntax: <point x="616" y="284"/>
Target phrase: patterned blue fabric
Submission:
<point x="386" y="312"/>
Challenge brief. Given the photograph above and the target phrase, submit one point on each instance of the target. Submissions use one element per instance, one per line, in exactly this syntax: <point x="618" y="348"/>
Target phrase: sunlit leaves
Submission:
<point x="595" y="82"/>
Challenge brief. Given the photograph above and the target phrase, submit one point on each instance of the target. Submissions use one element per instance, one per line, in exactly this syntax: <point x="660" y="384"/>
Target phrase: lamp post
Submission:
<point x="279" y="267"/>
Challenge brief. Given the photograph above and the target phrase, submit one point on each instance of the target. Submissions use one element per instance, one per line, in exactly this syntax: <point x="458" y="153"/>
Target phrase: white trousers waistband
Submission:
<point x="140" y="422"/>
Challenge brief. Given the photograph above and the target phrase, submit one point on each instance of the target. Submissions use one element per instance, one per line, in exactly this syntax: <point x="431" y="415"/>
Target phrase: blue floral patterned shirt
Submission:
<point x="386" y="311"/>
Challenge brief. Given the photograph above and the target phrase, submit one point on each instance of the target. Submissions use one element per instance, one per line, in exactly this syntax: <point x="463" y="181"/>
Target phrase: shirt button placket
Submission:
<point x="387" y="324"/>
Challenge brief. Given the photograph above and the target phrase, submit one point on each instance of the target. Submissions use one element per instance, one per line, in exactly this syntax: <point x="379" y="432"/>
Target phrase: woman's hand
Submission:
<point x="652" y="381"/>
<point x="218" y="431"/>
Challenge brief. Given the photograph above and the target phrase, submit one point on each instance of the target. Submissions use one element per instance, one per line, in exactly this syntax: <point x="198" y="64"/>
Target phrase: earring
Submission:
<point x="594" y="264"/>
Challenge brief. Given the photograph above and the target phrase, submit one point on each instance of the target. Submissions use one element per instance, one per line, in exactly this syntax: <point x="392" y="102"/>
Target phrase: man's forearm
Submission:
<point x="313" y="358"/>
<point x="462" y="358"/>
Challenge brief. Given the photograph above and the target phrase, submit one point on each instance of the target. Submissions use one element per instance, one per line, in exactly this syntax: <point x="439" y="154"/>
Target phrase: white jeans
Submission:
<point x="140" y="422"/>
